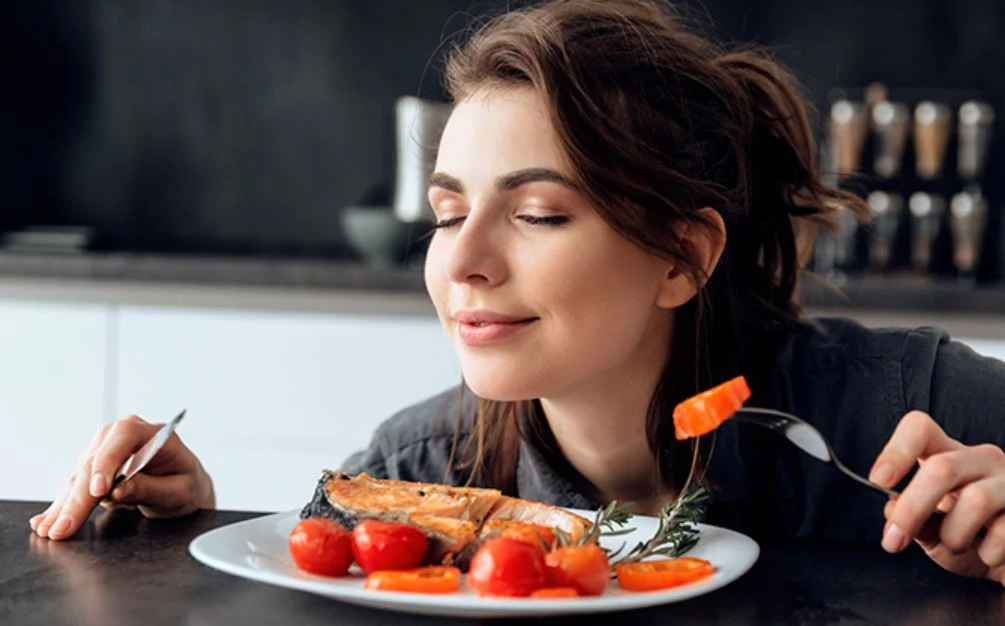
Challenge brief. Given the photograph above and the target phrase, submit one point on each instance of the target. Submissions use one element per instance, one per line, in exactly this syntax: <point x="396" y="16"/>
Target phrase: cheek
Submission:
<point x="606" y="286"/>
<point x="434" y="276"/>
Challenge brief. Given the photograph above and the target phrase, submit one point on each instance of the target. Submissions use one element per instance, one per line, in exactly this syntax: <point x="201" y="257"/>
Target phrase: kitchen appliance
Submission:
<point x="418" y="126"/>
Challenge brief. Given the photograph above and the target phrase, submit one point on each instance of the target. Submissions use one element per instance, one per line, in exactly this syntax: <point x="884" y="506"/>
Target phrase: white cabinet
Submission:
<point x="53" y="390"/>
<point x="988" y="347"/>
<point x="273" y="398"/>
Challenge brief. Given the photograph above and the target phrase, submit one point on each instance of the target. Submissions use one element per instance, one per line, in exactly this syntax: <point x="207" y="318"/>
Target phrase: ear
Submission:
<point x="704" y="243"/>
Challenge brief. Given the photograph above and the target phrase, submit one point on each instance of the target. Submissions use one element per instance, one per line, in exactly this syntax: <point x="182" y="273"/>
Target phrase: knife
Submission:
<point x="149" y="450"/>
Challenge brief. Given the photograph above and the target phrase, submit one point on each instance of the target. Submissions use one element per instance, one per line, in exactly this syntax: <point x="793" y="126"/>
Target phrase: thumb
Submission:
<point x="172" y="495"/>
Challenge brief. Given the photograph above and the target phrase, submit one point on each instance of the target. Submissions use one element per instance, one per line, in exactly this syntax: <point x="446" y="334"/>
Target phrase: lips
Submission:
<point x="483" y="327"/>
<point x="483" y="316"/>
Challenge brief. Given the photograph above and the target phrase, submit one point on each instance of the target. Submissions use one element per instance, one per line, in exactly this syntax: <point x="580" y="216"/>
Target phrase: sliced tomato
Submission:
<point x="504" y="566"/>
<point x="664" y="574"/>
<point x="431" y="579"/>
<point x="378" y="545"/>
<point x="584" y="568"/>
<point x="555" y="592"/>
<point x="703" y="413"/>
<point x="321" y="546"/>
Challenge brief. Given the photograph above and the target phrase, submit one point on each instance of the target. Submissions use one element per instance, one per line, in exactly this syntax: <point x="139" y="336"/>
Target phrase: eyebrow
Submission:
<point x="507" y="182"/>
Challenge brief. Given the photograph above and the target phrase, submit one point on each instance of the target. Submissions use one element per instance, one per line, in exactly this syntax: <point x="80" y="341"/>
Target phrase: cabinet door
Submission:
<point x="53" y="365"/>
<point x="274" y="398"/>
<point x="988" y="347"/>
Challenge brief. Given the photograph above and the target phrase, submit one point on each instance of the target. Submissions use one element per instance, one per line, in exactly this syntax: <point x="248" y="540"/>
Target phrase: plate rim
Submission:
<point x="460" y="606"/>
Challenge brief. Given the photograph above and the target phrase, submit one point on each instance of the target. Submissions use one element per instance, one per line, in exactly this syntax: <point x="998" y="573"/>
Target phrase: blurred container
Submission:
<point x="418" y="126"/>
<point x="376" y="234"/>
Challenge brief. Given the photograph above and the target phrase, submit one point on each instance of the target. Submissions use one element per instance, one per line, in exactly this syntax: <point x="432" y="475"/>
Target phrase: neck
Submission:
<point x="600" y="427"/>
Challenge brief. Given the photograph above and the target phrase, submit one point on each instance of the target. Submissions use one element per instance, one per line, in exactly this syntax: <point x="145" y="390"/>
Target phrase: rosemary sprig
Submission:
<point x="676" y="533"/>
<point x="607" y="523"/>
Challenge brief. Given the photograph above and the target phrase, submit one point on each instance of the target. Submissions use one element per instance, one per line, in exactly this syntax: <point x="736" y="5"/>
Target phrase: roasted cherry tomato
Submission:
<point x="652" y="575"/>
<point x="321" y="546"/>
<point x="555" y="592"/>
<point x="507" y="567"/>
<point x="584" y="568"/>
<point x="378" y="545"/>
<point x="432" y="579"/>
<point x="701" y="414"/>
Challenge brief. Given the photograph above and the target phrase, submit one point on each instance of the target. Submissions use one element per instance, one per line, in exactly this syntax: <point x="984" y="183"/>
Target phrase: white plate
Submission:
<point x="256" y="549"/>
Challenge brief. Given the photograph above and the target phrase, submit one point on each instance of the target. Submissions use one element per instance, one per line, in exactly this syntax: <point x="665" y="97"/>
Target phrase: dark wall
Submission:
<point x="245" y="125"/>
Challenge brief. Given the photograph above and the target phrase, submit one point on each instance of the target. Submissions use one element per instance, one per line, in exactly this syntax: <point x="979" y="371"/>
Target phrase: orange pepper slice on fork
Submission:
<point x="703" y="413"/>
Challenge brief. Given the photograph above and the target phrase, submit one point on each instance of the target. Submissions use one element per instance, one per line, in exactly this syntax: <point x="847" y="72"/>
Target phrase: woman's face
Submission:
<point x="539" y="296"/>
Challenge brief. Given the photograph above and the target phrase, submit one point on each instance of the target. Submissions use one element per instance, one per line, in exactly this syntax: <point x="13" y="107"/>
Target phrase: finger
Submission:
<point x="945" y="505"/>
<point x="979" y="503"/>
<point x="48" y="517"/>
<point x="37" y="519"/>
<point x="77" y="507"/>
<point x="992" y="548"/>
<point x="159" y="496"/>
<point x="917" y="436"/>
<point x="125" y="437"/>
<point x="50" y="514"/>
<point x="939" y="476"/>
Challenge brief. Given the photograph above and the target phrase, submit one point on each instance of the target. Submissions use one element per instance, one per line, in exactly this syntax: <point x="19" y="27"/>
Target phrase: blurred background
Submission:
<point x="219" y="205"/>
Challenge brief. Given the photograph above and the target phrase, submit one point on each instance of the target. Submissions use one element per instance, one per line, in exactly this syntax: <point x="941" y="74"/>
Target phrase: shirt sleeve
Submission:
<point x="967" y="395"/>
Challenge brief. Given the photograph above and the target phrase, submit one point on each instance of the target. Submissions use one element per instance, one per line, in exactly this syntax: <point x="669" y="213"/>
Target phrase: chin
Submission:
<point x="502" y="388"/>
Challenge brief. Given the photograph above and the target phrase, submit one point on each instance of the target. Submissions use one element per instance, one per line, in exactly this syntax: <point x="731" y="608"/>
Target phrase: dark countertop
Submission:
<point x="874" y="294"/>
<point x="122" y="569"/>
<point x="214" y="270"/>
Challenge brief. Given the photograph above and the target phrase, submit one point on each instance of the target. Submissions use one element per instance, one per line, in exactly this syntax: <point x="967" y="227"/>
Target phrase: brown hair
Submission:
<point x="658" y="123"/>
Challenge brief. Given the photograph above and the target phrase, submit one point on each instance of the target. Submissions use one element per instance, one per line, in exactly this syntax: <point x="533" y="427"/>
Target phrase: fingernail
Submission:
<point x="98" y="485"/>
<point x="33" y="522"/>
<point x="894" y="539"/>
<point x="883" y="474"/>
<point x="60" y="527"/>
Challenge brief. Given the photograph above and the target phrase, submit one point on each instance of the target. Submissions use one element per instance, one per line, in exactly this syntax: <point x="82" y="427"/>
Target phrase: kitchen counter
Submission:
<point x="123" y="569"/>
<point x="212" y="270"/>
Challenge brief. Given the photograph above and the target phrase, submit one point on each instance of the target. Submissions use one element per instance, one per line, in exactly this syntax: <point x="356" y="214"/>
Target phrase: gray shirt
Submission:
<point x="852" y="383"/>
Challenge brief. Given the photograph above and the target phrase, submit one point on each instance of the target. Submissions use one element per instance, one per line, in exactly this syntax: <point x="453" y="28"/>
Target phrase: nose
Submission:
<point x="476" y="254"/>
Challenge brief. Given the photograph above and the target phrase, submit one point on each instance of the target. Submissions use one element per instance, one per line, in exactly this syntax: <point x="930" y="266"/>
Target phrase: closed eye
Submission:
<point x="547" y="220"/>
<point x="447" y="223"/>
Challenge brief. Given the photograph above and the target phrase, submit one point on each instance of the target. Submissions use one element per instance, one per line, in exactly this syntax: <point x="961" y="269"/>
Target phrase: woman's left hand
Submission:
<point x="967" y="483"/>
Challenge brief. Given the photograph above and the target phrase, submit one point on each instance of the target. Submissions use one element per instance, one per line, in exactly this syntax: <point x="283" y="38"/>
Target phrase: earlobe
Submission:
<point x="676" y="290"/>
<point x="705" y="243"/>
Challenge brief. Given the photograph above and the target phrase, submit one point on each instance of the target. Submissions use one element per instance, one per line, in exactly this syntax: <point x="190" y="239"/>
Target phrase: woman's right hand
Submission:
<point x="173" y="484"/>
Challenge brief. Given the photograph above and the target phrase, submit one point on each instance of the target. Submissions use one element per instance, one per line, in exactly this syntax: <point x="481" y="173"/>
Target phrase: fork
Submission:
<point x="805" y="436"/>
<point x="808" y="439"/>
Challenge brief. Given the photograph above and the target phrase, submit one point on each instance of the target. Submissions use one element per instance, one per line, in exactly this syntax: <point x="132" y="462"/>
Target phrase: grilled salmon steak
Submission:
<point x="455" y="519"/>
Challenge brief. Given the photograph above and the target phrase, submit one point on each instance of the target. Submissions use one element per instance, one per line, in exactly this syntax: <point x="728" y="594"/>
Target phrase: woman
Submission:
<point x="623" y="211"/>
